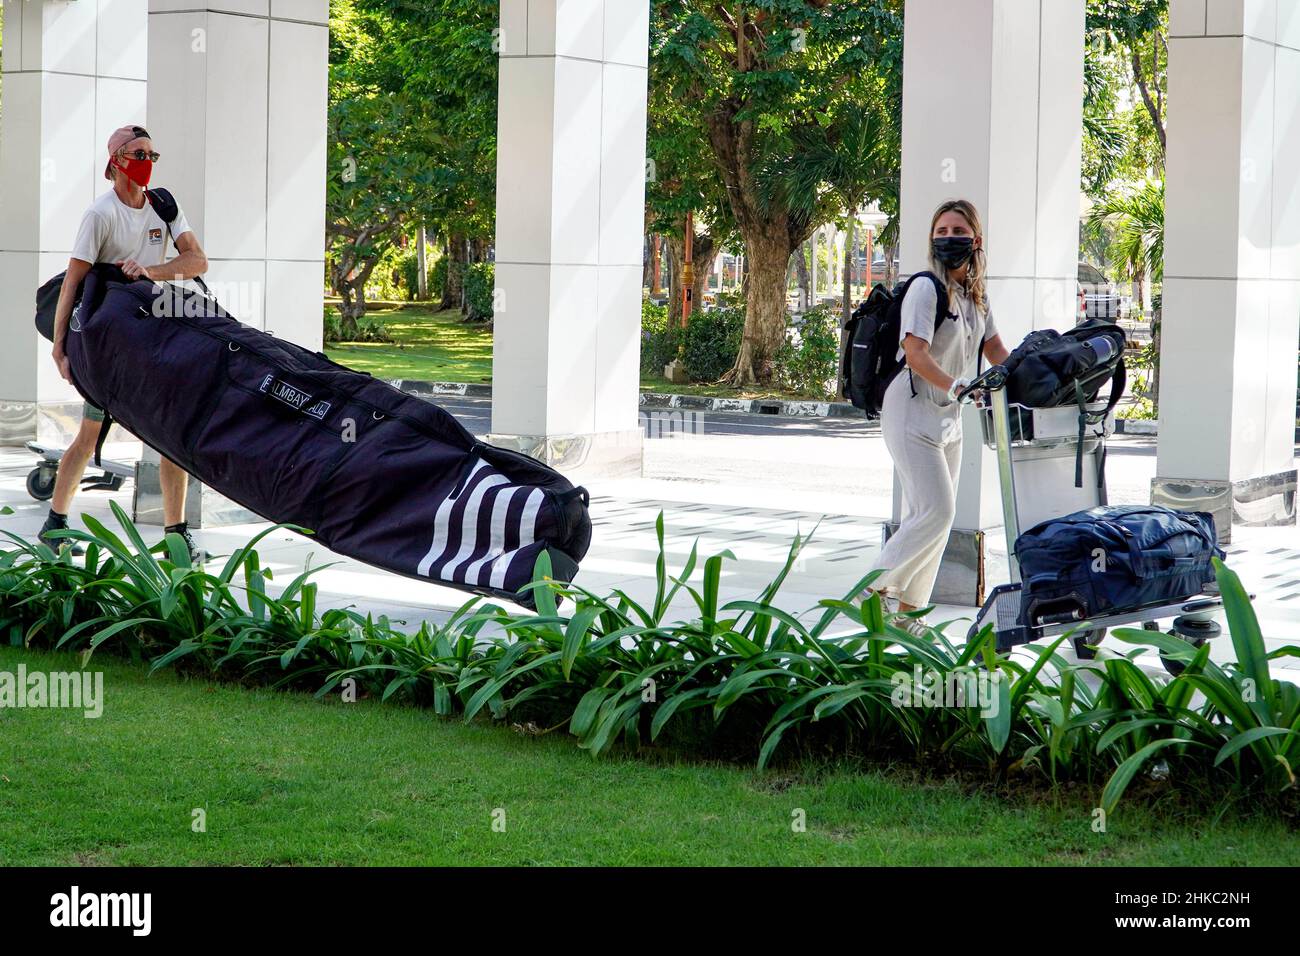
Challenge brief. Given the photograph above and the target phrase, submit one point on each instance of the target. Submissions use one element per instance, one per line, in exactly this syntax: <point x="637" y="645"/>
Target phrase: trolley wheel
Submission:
<point x="40" y="483"/>
<point x="1195" y="631"/>
<point x="1085" y="642"/>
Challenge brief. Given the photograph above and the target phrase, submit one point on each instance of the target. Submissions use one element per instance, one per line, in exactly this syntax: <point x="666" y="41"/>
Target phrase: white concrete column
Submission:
<point x="237" y="106"/>
<point x="73" y="72"/>
<point x="992" y="113"/>
<point x="1231" y="303"/>
<point x="570" y="209"/>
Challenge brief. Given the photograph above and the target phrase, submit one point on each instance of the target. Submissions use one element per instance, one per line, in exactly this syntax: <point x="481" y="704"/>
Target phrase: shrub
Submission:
<point x="659" y="340"/>
<point x="385" y="282"/>
<point x="808" y="361"/>
<point x="479" y="286"/>
<point x="409" y="269"/>
<point x="368" y="329"/>
<point x="438" y="278"/>
<point x="712" y="342"/>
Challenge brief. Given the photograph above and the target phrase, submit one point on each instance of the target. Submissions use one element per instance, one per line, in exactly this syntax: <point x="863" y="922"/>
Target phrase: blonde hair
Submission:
<point x="978" y="264"/>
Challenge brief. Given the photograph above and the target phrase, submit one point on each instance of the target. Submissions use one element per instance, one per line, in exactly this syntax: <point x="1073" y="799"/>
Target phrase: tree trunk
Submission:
<point x="453" y="284"/>
<point x="705" y="254"/>
<point x="847" y="311"/>
<point x="766" y="257"/>
<point x="891" y="267"/>
<point x="805" y="281"/>
<point x="676" y="259"/>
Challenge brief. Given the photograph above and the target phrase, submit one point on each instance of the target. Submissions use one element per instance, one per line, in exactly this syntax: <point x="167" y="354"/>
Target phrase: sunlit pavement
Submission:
<point x="730" y="486"/>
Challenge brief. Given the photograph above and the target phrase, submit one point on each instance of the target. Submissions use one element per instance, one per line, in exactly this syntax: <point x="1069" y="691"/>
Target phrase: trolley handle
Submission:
<point x="991" y="379"/>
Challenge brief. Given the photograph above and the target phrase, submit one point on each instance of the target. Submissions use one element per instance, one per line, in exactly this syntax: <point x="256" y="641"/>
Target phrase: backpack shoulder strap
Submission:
<point x="167" y="208"/>
<point x="164" y="204"/>
<point x="941" y="291"/>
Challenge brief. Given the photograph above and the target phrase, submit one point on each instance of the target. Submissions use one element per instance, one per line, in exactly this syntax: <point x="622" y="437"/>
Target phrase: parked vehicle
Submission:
<point x="1098" y="298"/>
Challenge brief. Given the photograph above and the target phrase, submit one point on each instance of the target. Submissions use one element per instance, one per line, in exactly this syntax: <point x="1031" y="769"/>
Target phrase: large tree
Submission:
<point x="412" y="133"/>
<point x="761" y="75"/>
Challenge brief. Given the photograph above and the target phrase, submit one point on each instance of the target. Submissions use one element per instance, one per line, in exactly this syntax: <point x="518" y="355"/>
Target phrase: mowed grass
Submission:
<point x="436" y="346"/>
<point x="286" y="779"/>
<point x="428" y="346"/>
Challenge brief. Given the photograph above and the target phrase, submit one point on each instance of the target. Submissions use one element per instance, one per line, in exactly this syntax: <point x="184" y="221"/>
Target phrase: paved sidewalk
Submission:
<point x="728" y="491"/>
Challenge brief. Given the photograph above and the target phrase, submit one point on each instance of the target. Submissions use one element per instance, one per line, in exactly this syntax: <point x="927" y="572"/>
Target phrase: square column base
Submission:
<point x="1253" y="502"/>
<point x="204" y="507"/>
<point x="968" y="563"/>
<point x="581" y="457"/>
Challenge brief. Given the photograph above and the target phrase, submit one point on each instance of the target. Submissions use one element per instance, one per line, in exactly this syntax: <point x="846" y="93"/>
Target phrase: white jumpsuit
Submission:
<point x="923" y="435"/>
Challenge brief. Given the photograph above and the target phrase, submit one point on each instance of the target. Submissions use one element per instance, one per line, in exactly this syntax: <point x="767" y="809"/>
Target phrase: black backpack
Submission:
<point x="868" y="364"/>
<point x="1050" y="368"/>
<point x="47" y="296"/>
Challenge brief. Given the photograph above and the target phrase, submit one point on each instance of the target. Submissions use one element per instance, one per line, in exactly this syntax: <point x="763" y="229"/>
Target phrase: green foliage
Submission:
<point x="408" y="268"/>
<point x="659" y="340"/>
<point x="1137" y="219"/>
<point x="740" y="678"/>
<point x="808" y="363"/>
<point x="479" y="286"/>
<point x="368" y="329"/>
<point x="438" y="278"/>
<point x="711" y="342"/>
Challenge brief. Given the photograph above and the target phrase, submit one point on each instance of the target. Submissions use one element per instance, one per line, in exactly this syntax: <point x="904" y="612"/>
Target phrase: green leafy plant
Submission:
<point x="683" y="669"/>
<point x="808" y="361"/>
<point x="711" y="341"/>
<point x="659" y="339"/>
<point x="479" y="286"/>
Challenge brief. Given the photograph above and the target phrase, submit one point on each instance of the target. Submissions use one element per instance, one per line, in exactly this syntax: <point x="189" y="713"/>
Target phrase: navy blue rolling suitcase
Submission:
<point x="374" y="473"/>
<point x="1112" y="559"/>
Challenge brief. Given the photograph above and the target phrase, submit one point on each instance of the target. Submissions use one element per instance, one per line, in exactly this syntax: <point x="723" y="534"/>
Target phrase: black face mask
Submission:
<point x="953" y="251"/>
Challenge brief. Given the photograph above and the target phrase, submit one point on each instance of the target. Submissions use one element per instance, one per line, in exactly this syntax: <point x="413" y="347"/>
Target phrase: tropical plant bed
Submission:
<point x="742" y="680"/>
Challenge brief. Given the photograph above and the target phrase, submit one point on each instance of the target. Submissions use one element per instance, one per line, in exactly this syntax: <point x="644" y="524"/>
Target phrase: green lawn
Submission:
<point x="429" y="346"/>
<point x="434" y="346"/>
<point x="285" y="779"/>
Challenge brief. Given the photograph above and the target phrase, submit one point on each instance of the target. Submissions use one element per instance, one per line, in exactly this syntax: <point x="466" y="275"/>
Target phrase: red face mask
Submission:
<point x="137" y="170"/>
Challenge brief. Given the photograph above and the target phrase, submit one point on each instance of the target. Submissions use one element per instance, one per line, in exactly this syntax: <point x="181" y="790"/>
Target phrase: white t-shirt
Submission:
<point x="956" y="346"/>
<point x="111" y="231"/>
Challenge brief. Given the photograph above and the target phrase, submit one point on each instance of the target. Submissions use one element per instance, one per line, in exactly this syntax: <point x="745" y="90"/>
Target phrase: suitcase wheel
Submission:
<point x="40" y="483"/>
<point x="1085" y="642"/>
<point x="1195" y="631"/>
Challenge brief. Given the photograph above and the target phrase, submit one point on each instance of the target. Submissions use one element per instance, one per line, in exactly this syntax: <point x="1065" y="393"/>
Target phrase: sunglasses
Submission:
<point x="140" y="154"/>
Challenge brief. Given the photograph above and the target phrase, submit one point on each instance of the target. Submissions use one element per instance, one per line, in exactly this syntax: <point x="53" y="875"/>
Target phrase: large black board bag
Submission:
<point x="376" y="474"/>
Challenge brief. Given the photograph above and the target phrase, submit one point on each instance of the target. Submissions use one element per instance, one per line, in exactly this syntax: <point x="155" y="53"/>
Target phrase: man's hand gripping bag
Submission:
<point x="376" y="474"/>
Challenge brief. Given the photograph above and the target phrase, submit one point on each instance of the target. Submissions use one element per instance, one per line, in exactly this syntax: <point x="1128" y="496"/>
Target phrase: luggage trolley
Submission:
<point x="1038" y="453"/>
<point x="40" y="480"/>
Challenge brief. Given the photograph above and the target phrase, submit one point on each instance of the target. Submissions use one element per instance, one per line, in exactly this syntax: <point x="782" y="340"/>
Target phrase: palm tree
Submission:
<point x="1137" y="218"/>
<point x="841" y="169"/>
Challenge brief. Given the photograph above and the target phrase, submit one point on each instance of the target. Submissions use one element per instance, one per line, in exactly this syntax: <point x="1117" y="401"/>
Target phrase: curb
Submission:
<point x="417" y="387"/>
<point x="1137" y="426"/>
<point x="792" y="408"/>
<point x="653" y="400"/>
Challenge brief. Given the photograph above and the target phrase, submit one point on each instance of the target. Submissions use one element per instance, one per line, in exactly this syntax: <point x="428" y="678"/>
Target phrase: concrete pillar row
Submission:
<point x="1231" y="301"/>
<point x="571" y="161"/>
<point x="72" y="73"/>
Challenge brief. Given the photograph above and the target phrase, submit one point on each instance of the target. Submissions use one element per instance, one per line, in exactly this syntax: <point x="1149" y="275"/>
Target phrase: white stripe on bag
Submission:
<point x="441" y="522"/>
<point x="500" y="509"/>
<point x="469" y="525"/>
<point x="528" y="520"/>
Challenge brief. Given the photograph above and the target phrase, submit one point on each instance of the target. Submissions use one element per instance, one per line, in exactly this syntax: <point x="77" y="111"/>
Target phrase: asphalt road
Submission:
<point x="476" y="415"/>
